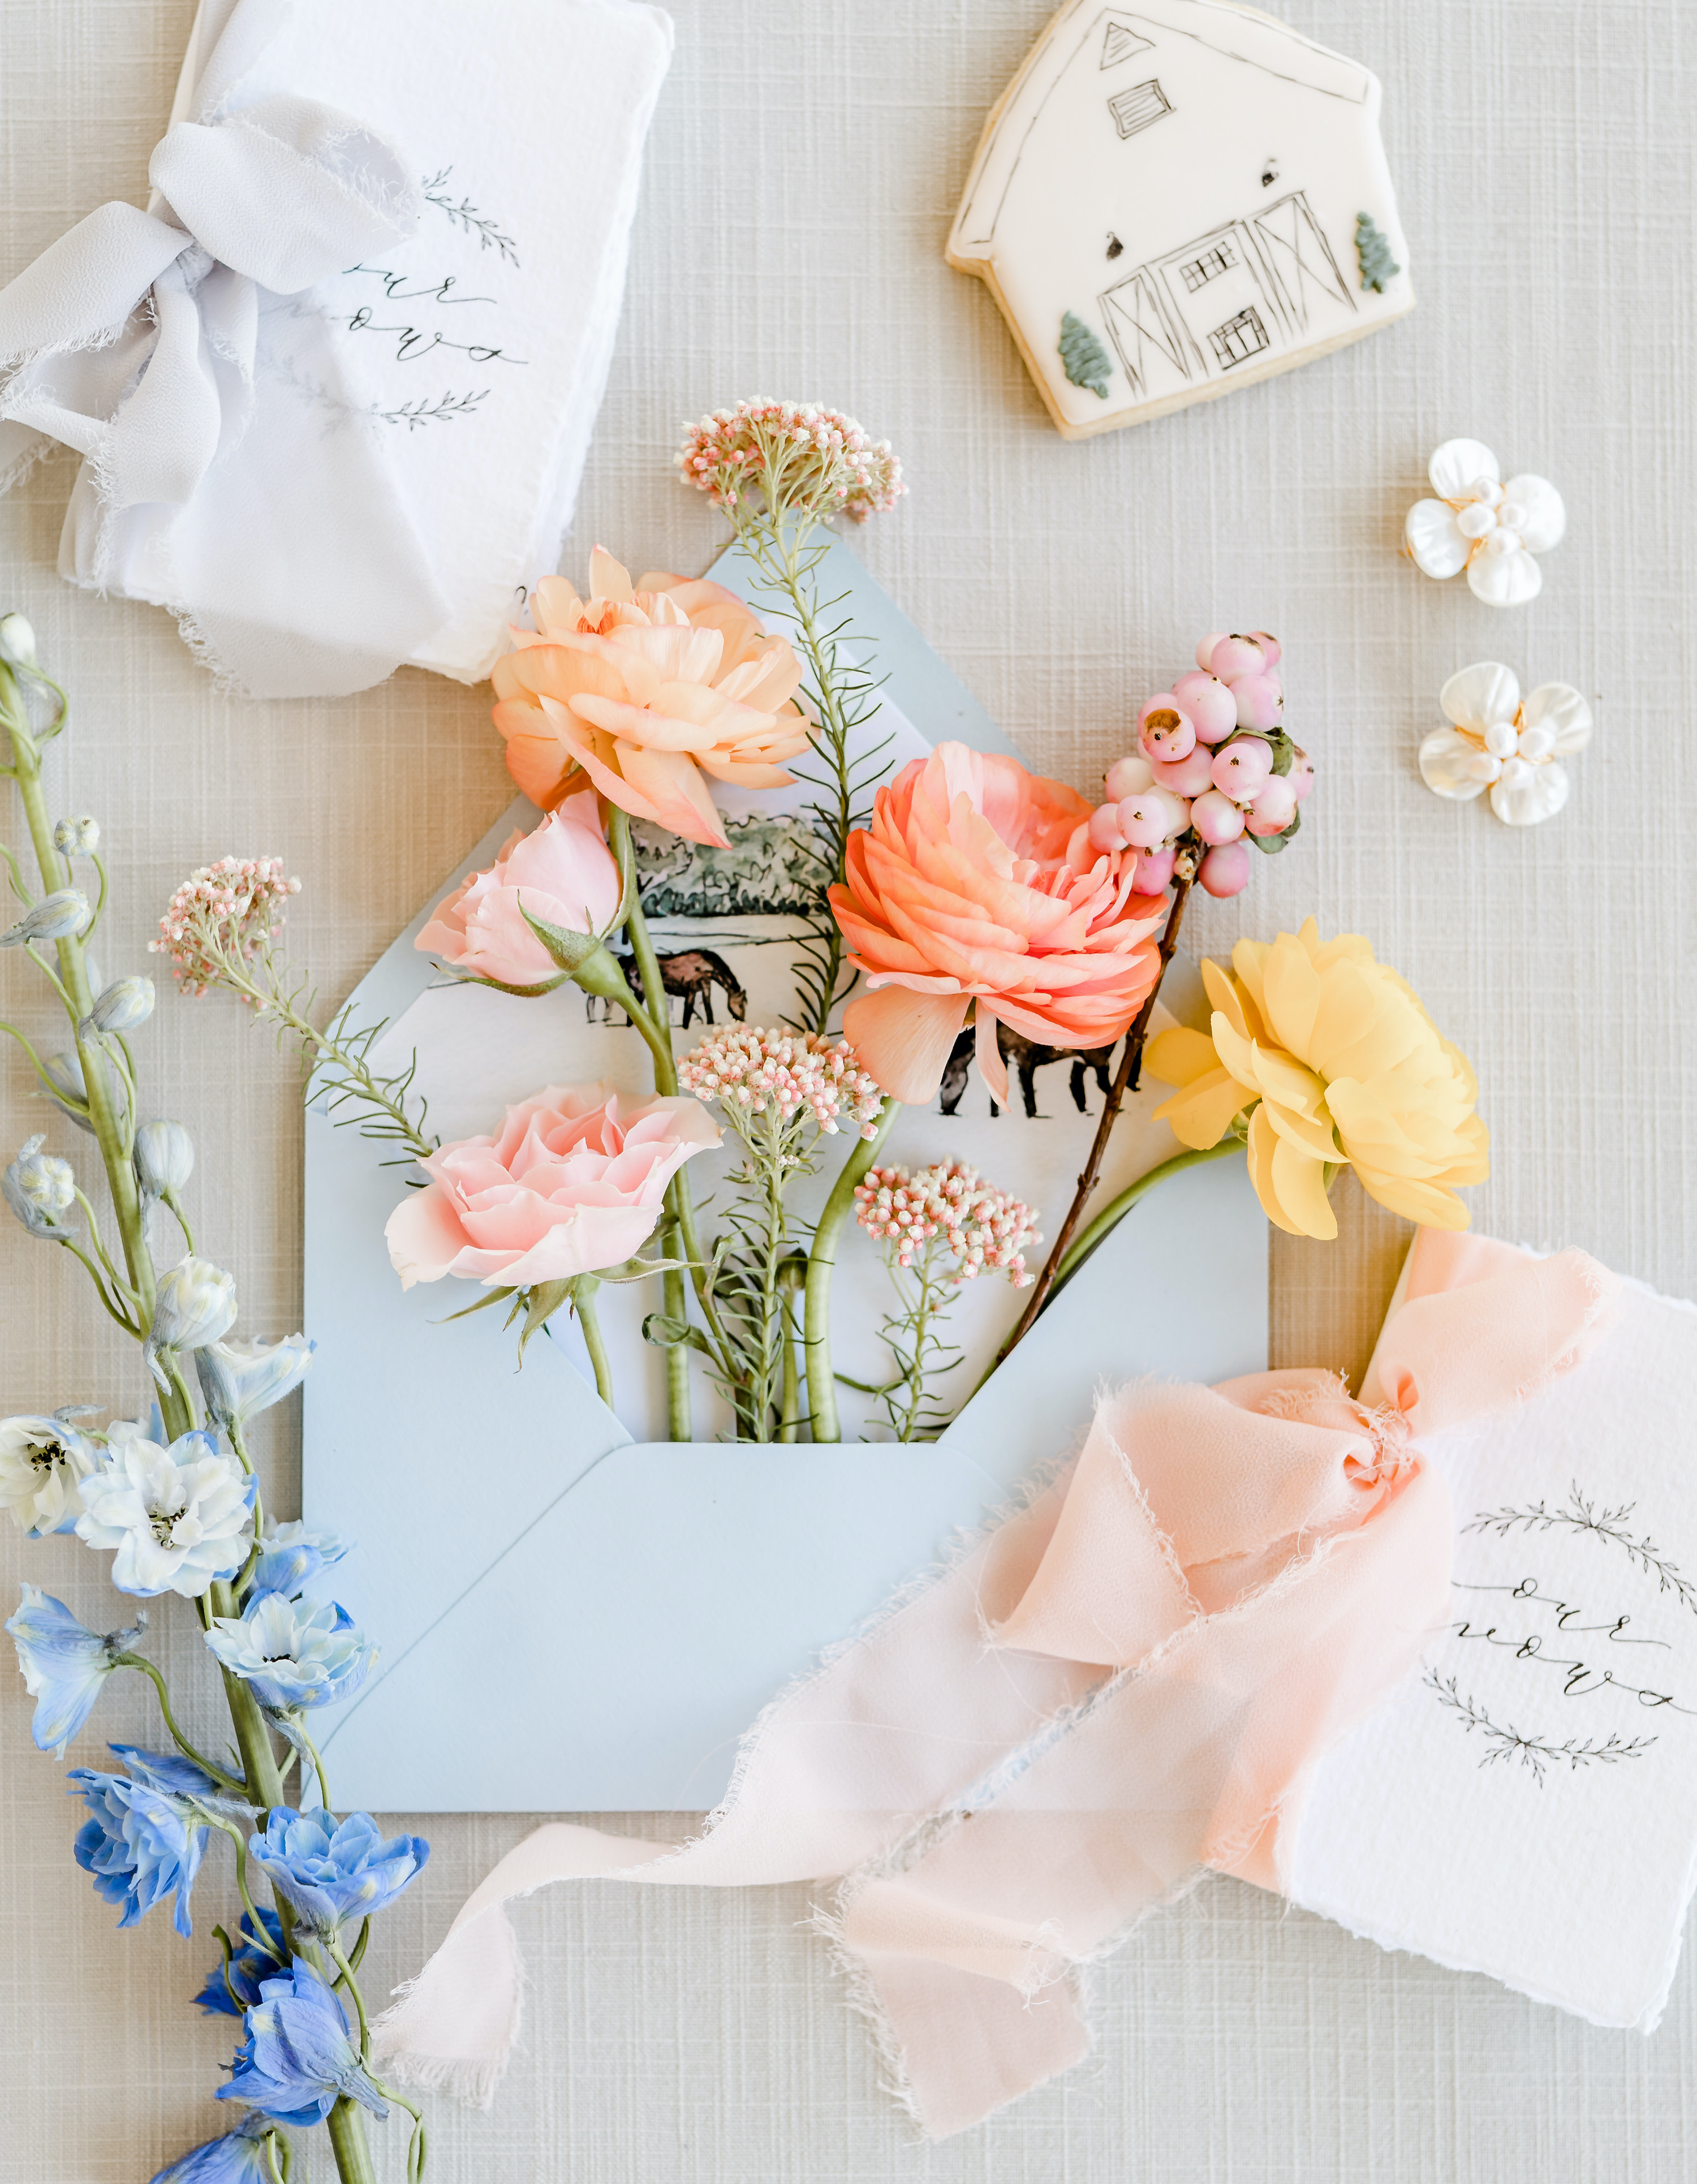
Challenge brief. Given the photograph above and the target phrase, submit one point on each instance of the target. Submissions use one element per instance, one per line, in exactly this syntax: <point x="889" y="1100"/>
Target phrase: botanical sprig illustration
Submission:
<point x="468" y="218"/>
<point x="1536" y="1753"/>
<point x="1582" y="1513"/>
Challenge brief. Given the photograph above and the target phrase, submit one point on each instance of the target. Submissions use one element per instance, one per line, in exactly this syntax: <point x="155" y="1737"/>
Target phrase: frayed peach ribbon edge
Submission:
<point x="1124" y="1683"/>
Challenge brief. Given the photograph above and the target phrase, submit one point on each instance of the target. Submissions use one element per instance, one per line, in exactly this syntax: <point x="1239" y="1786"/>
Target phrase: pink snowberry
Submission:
<point x="1225" y="871"/>
<point x="1243" y="768"/>
<point x="1154" y="870"/>
<point x="1145" y="821"/>
<point x="1126" y="776"/>
<point x="1187" y="775"/>
<point x="1301" y="774"/>
<point x="1205" y="651"/>
<point x="1233" y="656"/>
<point x="1163" y="731"/>
<point x="1215" y="819"/>
<point x="1274" y="806"/>
<point x="1103" y="830"/>
<point x="1207" y="703"/>
<point x="1270" y="645"/>
<point x="1260" y="701"/>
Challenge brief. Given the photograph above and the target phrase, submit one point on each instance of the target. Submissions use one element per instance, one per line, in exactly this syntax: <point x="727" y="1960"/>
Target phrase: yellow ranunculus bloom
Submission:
<point x="1339" y="1065"/>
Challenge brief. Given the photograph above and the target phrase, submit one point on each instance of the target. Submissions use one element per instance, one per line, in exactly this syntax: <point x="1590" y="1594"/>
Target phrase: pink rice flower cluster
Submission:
<point x="750" y="1072"/>
<point x="986" y="1230"/>
<point x="803" y="459"/>
<point x="222" y="916"/>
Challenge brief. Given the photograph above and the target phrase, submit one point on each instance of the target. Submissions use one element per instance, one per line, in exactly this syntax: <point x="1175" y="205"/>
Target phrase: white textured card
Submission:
<point x="1527" y="1806"/>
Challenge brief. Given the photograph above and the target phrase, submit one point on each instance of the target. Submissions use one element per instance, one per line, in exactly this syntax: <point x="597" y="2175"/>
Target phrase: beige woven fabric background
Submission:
<point x="805" y="162"/>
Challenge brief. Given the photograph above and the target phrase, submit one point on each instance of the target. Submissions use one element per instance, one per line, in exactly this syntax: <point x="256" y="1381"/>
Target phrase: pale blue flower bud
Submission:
<point x="125" y="1003"/>
<point x="17" y="641"/>
<point x="54" y="917"/>
<point x="165" y="1158"/>
<point x="238" y="1378"/>
<point x="76" y="838"/>
<point x="195" y="1303"/>
<point x="38" y="1187"/>
<point x="65" y="1081"/>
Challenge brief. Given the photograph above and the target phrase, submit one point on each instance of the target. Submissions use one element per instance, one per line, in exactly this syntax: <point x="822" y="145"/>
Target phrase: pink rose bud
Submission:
<point x="1233" y="656"/>
<point x="1165" y="732"/>
<point x="1241" y="769"/>
<point x="1144" y="820"/>
<point x="1103" y="829"/>
<point x="1260" y="701"/>
<point x="1126" y="776"/>
<point x="1215" y="818"/>
<point x="1274" y="806"/>
<point x="1154" y="872"/>
<point x="1301" y="774"/>
<point x="1209" y="705"/>
<point x="1225" y="871"/>
<point x="1270" y="645"/>
<point x="1205" y="651"/>
<point x="1187" y="775"/>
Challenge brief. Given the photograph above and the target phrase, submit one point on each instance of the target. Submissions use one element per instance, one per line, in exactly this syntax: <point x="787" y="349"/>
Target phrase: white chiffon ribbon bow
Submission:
<point x="220" y="475"/>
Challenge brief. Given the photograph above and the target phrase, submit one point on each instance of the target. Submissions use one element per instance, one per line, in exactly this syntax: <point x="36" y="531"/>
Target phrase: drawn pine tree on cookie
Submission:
<point x="1373" y="255"/>
<point x="1083" y="357"/>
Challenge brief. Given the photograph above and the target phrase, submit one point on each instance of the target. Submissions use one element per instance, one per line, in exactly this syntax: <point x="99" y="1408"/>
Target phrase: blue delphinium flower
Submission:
<point x="332" y="1871"/>
<point x="292" y="1557"/>
<point x="239" y="2158"/>
<point x="293" y="1652"/>
<point x="238" y="1378"/>
<point x="260" y="1956"/>
<point x="65" y="1665"/>
<point x="146" y="1838"/>
<point x="42" y="1464"/>
<point x="296" y="2057"/>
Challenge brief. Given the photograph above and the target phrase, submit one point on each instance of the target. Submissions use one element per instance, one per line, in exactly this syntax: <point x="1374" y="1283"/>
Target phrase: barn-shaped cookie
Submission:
<point x="1179" y="197"/>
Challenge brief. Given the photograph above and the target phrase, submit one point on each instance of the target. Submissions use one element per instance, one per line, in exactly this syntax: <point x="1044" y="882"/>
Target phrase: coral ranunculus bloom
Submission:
<point x="976" y="883"/>
<point x="1342" y="1067"/>
<point x="649" y="688"/>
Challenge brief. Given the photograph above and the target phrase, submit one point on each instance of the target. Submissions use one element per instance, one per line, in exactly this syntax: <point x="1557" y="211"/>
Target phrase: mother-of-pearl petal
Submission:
<point x="1504" y="580"/>
<point x="1458" y="465"/>
<point x="1545" y="511"/>
<point x="1559" y="707"/>
<point x="1445" y="759"/>
<point x="1540" y="795"/>
<point x="1434" y="541"/>
<point x="1477" y="696"/>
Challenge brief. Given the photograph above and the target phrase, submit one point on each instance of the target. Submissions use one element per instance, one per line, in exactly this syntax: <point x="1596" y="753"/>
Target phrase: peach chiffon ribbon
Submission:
<point x="1125" y="1683"/>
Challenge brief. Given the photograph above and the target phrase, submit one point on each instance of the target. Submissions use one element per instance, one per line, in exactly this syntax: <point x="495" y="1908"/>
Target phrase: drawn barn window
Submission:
<point x="1134" y="109"/>
<point x="1240" y="338"/>
<point x="1208" y="266"/>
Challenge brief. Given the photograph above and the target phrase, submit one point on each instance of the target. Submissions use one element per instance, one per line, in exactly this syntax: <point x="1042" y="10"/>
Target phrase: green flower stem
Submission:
<point x="583" y="1297"/>
<point x="345" y="1969"/>
<point x="777" y="551"/>
<point x="111" y="1135"/>
<point x="346" y="2127"/>
<point x="147" y="1667"/>
<point x="1116" y="1209"/>
<point x="821" y="1260"/>
<point x="653" y="1021"/>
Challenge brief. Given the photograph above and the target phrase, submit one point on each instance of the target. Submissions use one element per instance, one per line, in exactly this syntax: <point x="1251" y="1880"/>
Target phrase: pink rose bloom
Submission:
<point x="573" y="1183"/>
<point x="976" y="882"/>
<point x="563" y="873"/>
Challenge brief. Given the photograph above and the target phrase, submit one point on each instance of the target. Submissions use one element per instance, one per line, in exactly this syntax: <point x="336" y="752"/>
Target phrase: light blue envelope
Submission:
<point x="573" y="1621"/>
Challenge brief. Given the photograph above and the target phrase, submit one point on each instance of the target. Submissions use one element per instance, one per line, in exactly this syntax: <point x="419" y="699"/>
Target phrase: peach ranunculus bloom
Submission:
<point x="649" y="688"/>
<point x="1342" y="1067"/>
<point x="572" y="1183"/>
<point x="563" y="873"/>
<point x="976" y="883"/>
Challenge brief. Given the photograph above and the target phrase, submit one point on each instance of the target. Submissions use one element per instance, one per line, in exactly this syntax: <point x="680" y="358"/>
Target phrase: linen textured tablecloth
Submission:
<point x="804" y="163"/>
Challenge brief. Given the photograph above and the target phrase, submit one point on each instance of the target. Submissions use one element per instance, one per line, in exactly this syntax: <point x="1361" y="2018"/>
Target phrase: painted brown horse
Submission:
<point x="691" y="977"/>
<point x="1026" y="1057"/>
